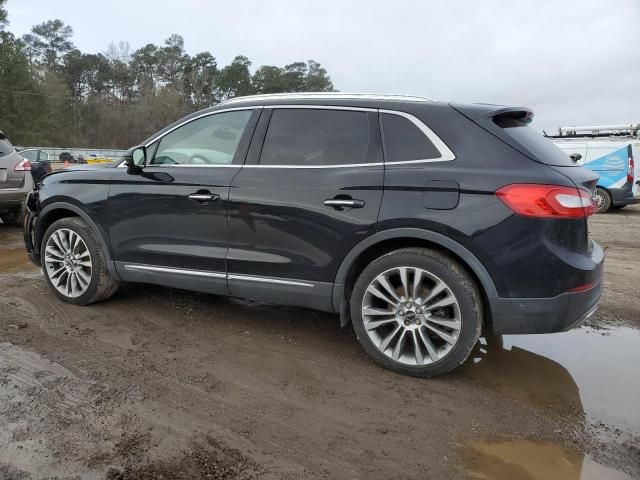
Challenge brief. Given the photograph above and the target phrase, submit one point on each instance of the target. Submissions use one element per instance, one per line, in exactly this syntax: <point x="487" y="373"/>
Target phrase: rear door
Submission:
<point x="310" y="191"/>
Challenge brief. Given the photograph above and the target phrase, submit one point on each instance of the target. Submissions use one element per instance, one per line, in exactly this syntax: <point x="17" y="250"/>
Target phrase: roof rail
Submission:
<point x="622" y="130"/>
<point x="327" y="95"/>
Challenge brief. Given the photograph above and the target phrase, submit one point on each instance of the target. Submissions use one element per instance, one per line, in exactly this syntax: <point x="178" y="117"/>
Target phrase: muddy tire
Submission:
<point x="74" y="264"/>
<point x="416" y="312"/>
<point x="603" y="200"/>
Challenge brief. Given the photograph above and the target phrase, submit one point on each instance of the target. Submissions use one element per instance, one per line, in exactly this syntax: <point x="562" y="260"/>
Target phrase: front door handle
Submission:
<point x="340" y="203"/>
<point x="204" y="197"/>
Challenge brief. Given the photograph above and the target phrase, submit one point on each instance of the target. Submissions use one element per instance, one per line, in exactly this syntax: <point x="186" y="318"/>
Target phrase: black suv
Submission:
<point x="420" y="222"/>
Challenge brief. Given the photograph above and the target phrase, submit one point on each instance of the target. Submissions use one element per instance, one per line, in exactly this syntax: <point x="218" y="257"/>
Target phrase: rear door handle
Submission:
<point x="340" y="203"/>
<point x="204" y="197"/>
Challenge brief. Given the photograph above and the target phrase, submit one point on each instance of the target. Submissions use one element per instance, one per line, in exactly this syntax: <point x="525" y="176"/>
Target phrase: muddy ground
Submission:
<point x="160" y="383"/>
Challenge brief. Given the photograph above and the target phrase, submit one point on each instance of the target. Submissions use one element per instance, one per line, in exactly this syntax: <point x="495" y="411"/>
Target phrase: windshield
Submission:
<point x="543" y="149"/>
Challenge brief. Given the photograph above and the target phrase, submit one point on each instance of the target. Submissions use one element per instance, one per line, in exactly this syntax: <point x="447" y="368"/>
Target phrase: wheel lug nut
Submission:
<point x="418" y="310"/>
<point x="407" y="323"/>
<point x="417" y="321"/>
<point x="408" y="304"/>
<point x="401" y="312"/>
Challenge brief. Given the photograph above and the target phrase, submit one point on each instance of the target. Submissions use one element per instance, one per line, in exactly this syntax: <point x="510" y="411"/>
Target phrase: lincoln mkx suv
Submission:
<point x="420" y="223"/>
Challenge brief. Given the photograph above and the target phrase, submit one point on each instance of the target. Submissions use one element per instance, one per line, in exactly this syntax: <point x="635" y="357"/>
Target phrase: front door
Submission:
<point x="302" y="202"/>
<point x="168" y="224"/>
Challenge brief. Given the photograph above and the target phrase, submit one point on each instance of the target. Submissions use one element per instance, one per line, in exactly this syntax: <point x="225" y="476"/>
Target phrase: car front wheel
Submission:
<point x="74" y="264"/>
<point x="416" y="312"/>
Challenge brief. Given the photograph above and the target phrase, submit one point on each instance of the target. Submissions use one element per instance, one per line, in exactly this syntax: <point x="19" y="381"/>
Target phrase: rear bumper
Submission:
<point x="544" y="315"/>
<point x="623" y="196"/>
<point x="11" y="198"/>
<point x="553" y="314"/>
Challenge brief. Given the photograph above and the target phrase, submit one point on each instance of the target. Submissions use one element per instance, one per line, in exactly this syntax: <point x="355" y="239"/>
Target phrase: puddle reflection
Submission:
<point x="581" y="371"/>
<point x="532" y="460"/>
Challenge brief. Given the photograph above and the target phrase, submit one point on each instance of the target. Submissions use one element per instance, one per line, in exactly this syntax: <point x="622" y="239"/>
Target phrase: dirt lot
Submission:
<point x="160" y="383"/>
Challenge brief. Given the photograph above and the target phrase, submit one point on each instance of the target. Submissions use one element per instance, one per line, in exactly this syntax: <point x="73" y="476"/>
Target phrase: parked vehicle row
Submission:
<point x="420" y="222"/>
<point x="39" y="160"/>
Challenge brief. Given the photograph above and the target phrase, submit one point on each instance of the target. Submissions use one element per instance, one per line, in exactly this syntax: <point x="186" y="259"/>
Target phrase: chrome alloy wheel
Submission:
<point x="68" y="262"/>
<point x="599" y="199"/>
<point x="411" y="316"/>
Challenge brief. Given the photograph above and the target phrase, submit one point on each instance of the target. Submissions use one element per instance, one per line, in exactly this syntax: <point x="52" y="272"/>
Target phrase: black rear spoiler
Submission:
<point x="480" y="111"/>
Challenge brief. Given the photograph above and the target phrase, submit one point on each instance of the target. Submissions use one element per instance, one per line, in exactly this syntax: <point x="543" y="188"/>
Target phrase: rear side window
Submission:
<point x="404" y="141"/>
<point x="542" y="149"/>
<point x="5" y="147"/>
<point x="315" y="137"/>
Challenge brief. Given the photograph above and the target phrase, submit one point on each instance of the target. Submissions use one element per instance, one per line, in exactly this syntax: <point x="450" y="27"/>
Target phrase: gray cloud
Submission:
<point x="573" y="62"/>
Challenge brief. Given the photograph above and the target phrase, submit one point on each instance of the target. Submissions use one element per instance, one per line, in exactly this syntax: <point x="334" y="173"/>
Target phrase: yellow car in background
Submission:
<point x="94" y="158"/>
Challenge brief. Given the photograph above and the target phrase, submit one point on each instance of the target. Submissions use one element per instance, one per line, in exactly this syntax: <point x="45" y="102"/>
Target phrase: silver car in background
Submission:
<point x="15" y="181"/>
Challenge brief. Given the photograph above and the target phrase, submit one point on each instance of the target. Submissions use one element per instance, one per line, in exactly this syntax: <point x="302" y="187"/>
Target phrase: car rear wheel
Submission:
<point x="603" y="200"/>
<point x="416" y="312"/>
<point x="74" y="264"/>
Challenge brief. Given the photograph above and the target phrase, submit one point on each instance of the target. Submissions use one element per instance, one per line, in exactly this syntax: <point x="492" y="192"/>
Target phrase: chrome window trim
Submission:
<point x="446" y="154"/>
<point x="211" y="274"/>
<point x="207" y="114"/>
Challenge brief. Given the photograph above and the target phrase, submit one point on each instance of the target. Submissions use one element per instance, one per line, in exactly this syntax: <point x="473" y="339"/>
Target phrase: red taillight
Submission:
<point x="546" y="201"/>
<point x="630" y="170"/>
<point x="23" y="166"/>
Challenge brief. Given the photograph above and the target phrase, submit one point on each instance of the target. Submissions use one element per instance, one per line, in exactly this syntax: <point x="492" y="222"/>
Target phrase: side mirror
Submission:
<point x="575" y="157"/>
<point x="136" y="159"/>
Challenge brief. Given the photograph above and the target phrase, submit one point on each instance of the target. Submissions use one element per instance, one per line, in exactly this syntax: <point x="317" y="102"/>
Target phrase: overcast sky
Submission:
<point x="575" y="62"/>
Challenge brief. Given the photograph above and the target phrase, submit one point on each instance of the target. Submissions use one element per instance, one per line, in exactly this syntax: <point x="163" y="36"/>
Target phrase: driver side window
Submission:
<point x="210" y="140"/>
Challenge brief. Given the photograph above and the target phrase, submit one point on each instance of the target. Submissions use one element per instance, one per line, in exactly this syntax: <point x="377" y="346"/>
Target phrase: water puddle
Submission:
<point x="13" y="256"/>
<point x="533" y="460"/>
<point x="582" y="371"/>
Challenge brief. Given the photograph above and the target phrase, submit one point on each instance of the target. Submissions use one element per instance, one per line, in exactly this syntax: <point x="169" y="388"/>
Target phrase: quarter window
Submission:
<point x="315" y="137"/>
<point x="211" y="140"/>
<point x="404" y="141"/>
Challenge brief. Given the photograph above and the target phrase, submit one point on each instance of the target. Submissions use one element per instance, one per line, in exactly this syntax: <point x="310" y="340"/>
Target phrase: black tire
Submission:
<point x="11" y="218"/>
<point x="603" y="199"/>
<point x="102" y="284"/>
<point x="459" y="282"/>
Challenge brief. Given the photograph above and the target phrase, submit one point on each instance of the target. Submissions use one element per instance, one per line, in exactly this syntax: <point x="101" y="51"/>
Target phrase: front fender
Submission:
<point x="54" y="209"/>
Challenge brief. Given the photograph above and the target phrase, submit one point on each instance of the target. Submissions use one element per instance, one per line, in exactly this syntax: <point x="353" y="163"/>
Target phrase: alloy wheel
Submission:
<point x="411" y="316"/>
<point x="68" y="262"/>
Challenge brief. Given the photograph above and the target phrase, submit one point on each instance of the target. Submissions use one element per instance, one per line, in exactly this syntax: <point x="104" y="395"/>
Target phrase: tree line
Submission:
<point x="53" y="94"/>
